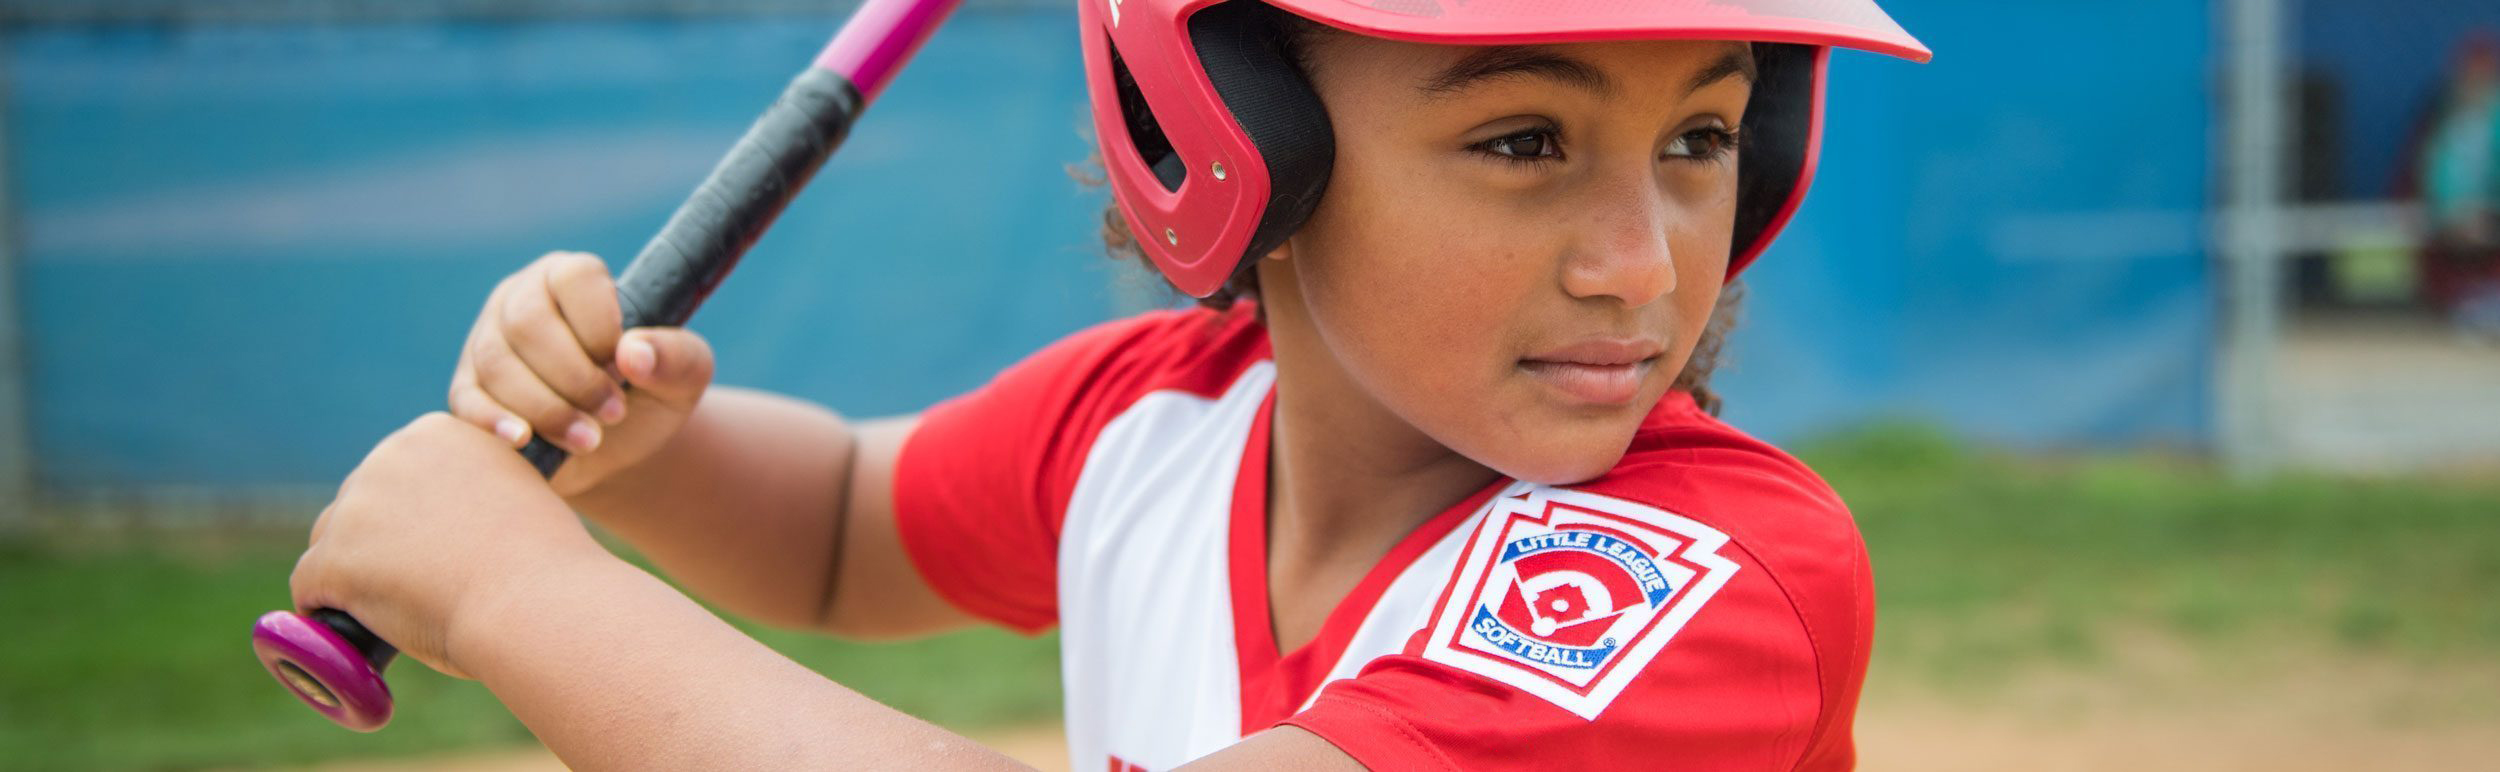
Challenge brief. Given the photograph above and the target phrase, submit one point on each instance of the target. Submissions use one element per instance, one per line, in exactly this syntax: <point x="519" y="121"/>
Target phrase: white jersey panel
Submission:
<point x="1406" y="607"/>
<point x="1145" y="604"/>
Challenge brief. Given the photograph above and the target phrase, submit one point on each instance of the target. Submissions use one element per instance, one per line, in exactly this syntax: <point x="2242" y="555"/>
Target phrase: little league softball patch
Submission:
<point x="1568" y="595"/>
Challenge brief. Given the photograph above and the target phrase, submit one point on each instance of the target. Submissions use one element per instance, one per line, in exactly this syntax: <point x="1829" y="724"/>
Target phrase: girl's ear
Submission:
<point x="1282" y="251"/>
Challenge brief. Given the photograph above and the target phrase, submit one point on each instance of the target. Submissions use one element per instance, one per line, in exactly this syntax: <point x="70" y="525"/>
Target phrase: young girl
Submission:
<point x="1426" y="484"/>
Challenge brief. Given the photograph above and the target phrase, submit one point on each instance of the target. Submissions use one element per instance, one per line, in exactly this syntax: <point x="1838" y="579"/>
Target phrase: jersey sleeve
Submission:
<point x="981" y="486"/>
<point x="1506" y="677"/>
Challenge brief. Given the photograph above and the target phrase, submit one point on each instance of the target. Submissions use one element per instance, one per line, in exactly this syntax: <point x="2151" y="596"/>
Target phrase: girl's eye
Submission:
<point x="1708" y="143"/>
<point x="1537" y="145"/>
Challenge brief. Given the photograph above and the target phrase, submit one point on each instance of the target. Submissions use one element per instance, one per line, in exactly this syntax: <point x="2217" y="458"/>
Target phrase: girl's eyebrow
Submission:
<point x="1513" y="61"/>
<point x="1737" y="59"/>
<point x="1496" y="62"/>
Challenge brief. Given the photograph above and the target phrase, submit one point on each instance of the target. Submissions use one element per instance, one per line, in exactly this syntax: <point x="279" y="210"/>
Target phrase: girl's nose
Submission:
<point x="1620" y="250"/>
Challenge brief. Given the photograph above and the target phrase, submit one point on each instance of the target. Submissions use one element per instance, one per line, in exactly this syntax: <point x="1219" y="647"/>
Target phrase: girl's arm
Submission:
<point x="445" y="542"/>
<point x="759" y="499"/>
<point x="612" y="669"/>
<point x="666" y="685"/>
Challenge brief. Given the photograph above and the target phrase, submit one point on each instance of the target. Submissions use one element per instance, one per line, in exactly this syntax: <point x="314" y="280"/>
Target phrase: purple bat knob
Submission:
<point x="336" y="671"/>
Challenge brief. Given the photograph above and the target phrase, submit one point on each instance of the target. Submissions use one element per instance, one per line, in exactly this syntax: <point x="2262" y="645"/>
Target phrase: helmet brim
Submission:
<point x="1856" y="24"/>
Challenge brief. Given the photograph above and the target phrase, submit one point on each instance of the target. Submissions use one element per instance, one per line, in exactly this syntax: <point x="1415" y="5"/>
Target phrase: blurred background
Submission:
<point x="2155" y="344"/>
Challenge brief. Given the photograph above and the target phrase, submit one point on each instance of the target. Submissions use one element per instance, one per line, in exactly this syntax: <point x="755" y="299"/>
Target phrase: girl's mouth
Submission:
<point x="1597" y="372"/>
<point x="1597" y="385"/>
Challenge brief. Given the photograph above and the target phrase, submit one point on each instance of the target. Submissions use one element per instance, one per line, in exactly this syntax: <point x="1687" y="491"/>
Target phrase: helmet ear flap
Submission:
<point x="1245" y="47"/>
<point x="1777" y="149"/>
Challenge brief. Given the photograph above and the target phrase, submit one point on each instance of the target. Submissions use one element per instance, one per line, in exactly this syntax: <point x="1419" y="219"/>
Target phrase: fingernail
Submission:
<point x="637" y="358"/>
<point x="584" y="436"/>
<point x="612" y="410"/>
<point x="511" y="429"/>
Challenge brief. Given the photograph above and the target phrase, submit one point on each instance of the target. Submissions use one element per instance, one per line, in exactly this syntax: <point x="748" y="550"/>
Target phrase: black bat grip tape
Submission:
<point x="375" y="651"/>
<point x="749" y="188"/>
<point x="703" y="240"/>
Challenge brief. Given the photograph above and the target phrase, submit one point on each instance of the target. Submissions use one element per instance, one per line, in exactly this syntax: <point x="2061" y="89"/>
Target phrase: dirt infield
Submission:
<point x="2377" y="721"/>
<point x="2155" y="713"/>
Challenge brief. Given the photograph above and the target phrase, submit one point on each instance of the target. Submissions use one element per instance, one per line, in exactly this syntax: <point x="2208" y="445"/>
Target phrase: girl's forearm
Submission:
<point x="740" y="505"/>
<point x="613" y="669"/>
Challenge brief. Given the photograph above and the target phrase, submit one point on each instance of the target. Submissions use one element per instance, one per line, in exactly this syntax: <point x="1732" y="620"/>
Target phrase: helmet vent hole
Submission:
<point x="1144" y="132"/>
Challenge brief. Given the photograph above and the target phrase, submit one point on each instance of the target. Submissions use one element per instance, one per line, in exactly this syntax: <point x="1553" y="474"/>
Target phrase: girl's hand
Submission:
<point x="436" y="525"/>
<point x="544" y="356"/>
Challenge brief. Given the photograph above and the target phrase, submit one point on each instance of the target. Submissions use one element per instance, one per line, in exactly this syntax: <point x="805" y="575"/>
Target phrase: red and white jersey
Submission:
<point x="1704" y="605"/>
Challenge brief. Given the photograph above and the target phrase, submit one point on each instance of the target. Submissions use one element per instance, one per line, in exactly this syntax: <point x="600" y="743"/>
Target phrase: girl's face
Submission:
<point x="1519" y="246"/>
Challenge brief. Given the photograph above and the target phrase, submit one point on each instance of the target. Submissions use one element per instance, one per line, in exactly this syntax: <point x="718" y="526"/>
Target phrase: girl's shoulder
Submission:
<point x="1688" y="461"/>
<point x="1770" y="506"/>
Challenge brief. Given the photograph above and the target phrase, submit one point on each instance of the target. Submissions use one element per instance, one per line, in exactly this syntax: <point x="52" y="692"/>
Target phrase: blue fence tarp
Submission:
<point x="2009" y="240"/>
<point x="251" y="250"/>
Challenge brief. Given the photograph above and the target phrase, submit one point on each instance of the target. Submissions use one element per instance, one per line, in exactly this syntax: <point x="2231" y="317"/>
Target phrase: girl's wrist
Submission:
<point x="620" y="496"/>
<point x="476" y="636"/>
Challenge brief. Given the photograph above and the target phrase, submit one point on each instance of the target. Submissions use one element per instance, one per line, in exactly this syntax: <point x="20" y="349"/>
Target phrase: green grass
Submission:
<point x="1985" y="563"/>
<point x="130" y="652"/>
<point x="136" y="655"/>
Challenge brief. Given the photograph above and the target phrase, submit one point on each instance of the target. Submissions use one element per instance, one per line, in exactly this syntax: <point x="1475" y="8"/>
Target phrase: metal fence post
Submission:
<point x="17" y="458"/>
<point x="2254" y="123"/>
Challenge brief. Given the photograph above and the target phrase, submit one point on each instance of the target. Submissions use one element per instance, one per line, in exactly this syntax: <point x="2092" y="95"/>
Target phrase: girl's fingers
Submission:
<point x="542" y="341"/>
<point x="517" y="388"/>
<point x="470" y="403"/>
<point x="672" y="364"/>
<point x="585" y="296"/>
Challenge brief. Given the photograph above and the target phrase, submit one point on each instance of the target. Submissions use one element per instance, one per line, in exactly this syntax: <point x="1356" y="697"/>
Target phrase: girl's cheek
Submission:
<point x="1416" y="309"/>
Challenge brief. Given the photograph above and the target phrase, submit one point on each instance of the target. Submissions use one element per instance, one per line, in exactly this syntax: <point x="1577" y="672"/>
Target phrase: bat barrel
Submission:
<point x="881" y="36"/>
